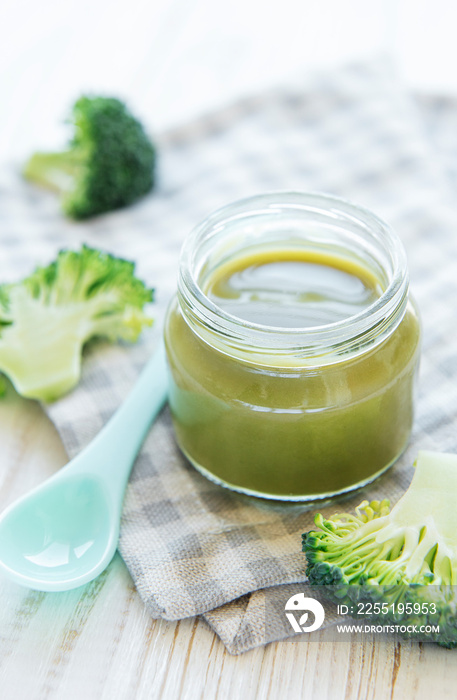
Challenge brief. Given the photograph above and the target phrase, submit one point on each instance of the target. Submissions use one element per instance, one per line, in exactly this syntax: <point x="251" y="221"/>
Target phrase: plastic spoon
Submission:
<point x="65" y="532"/>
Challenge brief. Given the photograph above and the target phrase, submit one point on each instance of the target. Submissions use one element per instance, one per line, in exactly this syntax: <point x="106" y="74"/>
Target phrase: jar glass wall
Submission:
<point x="292" y="412"/>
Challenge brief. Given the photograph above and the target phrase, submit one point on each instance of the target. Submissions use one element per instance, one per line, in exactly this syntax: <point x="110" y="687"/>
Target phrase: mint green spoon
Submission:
<point x="65" y="532"/>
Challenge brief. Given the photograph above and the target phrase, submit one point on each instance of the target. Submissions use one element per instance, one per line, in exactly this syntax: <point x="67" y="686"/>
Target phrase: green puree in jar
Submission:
<point x="285" y="425"/>
<point x="292" y="289"/>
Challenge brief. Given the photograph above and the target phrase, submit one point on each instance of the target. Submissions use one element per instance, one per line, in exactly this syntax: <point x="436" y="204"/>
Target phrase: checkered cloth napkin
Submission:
<point x="192" y="547"/>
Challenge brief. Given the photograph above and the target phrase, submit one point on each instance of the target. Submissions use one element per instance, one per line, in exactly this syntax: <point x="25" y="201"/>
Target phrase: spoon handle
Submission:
<point x="115" y="447"/>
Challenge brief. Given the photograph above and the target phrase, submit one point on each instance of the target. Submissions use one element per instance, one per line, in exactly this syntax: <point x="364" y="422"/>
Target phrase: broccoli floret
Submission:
<point x="109" y="164"/>
<point x="405" y="558"/>
<point x="47" y="318"/>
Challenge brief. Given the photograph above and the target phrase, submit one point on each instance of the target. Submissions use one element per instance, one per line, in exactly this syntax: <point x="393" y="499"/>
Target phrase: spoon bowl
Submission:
<point x="65" y="532"/>
<point x="59" y="533"/>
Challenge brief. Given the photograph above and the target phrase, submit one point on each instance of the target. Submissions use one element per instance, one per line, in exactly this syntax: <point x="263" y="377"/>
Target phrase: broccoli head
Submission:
<point x="403" y="561"/>
<point x="109" y="163"/>
<point x="46" y="319"/>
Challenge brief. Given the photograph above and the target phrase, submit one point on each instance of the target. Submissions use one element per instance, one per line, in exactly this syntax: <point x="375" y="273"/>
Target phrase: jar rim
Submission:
<point x="370" y="325"/>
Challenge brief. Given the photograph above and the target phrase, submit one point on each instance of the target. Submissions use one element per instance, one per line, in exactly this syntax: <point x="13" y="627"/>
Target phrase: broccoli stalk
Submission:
<point x="47" y="318"/>
<point x="407" y="554"/>
<point x="109" y="164"/>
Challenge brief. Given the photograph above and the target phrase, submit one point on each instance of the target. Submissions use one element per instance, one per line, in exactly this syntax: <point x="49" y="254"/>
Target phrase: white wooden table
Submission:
<point x="99" y="643"/>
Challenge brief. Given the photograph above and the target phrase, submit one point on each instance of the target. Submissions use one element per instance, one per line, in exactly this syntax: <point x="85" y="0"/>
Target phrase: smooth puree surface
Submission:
<point x="282" y="426"/>
<point x="292" y="289"/>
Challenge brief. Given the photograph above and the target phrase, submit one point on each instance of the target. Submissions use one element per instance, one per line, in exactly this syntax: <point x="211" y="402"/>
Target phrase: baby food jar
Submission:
<point x="292" y="347"/>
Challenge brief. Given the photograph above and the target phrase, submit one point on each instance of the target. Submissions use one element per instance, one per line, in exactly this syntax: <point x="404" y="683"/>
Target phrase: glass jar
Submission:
<point x="292" y="413"/>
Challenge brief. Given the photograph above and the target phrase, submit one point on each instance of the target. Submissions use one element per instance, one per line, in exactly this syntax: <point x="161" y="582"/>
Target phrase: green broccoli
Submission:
<point x="109" y="164"/>
<point x="401" y="561"/>
<point x="47" y="318"/>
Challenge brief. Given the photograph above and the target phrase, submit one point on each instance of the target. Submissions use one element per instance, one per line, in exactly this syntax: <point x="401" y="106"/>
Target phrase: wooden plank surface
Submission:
<point x="98" y="642"/>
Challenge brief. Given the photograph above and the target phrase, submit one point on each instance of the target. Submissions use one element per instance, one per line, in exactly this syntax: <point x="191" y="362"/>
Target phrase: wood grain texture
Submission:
<point x="98" y="642"/>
